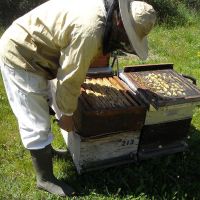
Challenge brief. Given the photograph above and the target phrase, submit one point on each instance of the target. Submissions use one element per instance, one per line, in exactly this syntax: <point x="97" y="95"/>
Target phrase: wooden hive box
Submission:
<point x="105" y="106"/>
<point x="103" y="151"/>
<point x="171" y="99"/>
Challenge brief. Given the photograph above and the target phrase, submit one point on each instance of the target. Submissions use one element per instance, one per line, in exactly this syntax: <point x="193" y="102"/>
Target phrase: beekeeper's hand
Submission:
<point x="66" y="123"/>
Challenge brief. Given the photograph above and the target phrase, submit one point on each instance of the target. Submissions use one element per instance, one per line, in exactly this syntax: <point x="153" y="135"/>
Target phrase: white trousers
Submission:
<point x="28" y="97"/>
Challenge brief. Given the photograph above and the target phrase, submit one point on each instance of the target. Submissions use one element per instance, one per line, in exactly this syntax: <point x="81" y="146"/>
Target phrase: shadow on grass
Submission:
<point x="170" y="177"/>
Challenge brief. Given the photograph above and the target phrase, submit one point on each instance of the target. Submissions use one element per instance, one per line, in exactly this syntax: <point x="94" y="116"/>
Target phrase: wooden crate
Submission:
<point x="103" y="151"/>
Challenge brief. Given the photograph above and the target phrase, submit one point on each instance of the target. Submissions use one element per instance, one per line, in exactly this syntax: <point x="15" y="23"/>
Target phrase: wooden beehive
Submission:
<point x="108" y="122"/>
<point x="105" y="106"/>
<point x="123" y="120"/>
<point x="171" y="100"/>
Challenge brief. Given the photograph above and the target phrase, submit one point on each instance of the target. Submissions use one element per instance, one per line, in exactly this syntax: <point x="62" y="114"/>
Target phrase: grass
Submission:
<point x="170" y="177"/>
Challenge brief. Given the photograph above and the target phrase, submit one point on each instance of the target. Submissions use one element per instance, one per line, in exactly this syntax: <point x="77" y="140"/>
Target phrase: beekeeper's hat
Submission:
<point x="138" y="19"/>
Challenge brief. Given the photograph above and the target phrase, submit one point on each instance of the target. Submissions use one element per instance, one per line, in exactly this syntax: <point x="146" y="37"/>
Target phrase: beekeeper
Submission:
<point x="59" y="39"/>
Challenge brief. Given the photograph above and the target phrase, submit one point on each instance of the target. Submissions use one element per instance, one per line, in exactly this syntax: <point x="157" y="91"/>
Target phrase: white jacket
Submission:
<point x="60" y="38"/>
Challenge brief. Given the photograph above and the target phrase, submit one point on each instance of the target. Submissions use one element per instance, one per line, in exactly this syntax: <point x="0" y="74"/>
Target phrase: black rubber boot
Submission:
<point x="42" y="162"/>
<point x="60" y="153"/>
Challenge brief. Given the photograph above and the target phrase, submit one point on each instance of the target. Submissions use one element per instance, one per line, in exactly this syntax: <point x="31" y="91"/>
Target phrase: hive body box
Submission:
<point x="165" y="131"/>
<point x="168" y="119"/>
<point x="107" y="106"/>
<point x="105" y="137"/>
<point x="103" y="151"/>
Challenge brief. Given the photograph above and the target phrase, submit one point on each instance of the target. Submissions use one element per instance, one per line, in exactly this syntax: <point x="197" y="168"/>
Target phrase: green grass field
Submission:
<point x="170" y="177"/>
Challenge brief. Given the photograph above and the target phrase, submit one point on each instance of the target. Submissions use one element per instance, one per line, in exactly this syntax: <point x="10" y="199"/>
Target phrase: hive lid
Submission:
<point x="161" y="87"/>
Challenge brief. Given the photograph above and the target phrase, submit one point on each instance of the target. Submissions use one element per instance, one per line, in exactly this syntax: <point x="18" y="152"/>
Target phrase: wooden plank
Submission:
<point x="88" y="98"/>
<point x="108" y="103"/>
<point x="116" y="94"/>
<point x="121" y="90"/>
<point x="95" y="87"/>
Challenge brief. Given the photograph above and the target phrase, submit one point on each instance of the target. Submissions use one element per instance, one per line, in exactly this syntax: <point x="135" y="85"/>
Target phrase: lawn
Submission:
<point x="170" y="177"/>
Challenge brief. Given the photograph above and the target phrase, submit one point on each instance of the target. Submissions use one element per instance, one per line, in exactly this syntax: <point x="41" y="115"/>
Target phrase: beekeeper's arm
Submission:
<point x="75" y="60"/>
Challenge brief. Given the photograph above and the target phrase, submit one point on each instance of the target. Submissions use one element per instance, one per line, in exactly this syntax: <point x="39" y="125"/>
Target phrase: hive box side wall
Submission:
<point x="91" y="153"/>
<point x="106" y="121"/>
<point x="73" y="143"/>
<point x="171" y="113"/>
<point x="165" y="133"/>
